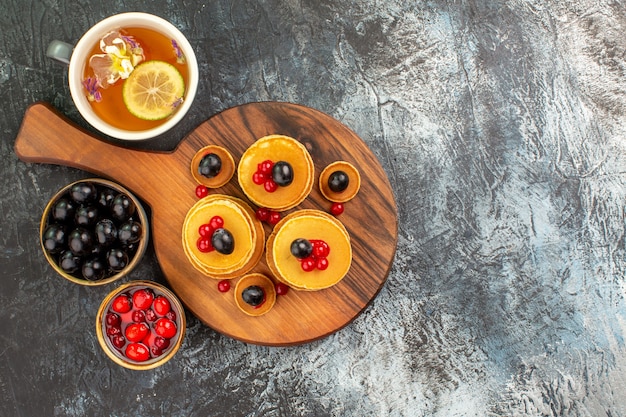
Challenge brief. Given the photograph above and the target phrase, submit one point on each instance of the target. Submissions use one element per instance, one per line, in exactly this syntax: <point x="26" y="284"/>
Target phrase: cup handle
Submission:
<point x="60" y="51"/>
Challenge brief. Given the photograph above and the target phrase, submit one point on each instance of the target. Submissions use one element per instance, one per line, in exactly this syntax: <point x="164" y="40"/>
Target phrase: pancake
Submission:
<point x="311" y="225"/>
<point x="277" y="148"/>
<point x="262" y="282"/>
<point x="223" y="176"/>
<point x="354" y="182"/>
<point x="239" y="220"/>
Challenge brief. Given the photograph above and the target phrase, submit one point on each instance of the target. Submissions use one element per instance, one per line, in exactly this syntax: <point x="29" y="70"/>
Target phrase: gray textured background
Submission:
<point x="501" y="126"/>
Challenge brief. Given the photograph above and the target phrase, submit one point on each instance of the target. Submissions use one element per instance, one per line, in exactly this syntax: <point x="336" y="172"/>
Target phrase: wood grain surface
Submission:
<point x="164" y="182"/>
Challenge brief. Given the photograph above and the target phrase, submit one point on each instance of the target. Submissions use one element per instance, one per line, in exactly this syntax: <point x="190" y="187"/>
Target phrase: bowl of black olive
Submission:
<point x="94" y="231"/>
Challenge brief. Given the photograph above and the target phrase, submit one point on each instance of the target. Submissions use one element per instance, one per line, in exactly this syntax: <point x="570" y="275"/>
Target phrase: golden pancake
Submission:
<point x="354" y="182"/>
<point x="266" y="285"/>
<point x="311" y="225"/>
<point x="224" y="175"/>
<point x="277" y="148"/>
<point x="234" y="221"/>
<point x="258" y="237"/>
<point x="257" y="234"/>
<point x="247" y="232"/>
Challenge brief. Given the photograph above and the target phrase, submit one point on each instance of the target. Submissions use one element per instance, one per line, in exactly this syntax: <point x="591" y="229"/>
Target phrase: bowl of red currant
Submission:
<point x="140" y="325"/>
<point x="94" y="231"/>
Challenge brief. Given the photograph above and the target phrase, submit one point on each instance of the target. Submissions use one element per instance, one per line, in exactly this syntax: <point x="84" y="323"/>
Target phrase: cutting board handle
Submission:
<point x="48" y="137"/>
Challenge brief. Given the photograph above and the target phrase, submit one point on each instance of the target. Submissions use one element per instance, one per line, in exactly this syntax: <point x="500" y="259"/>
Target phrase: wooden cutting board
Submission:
<point x="163" y="181"/>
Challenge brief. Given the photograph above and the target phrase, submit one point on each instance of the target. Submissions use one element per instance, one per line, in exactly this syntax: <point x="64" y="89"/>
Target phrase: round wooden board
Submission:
<point x="163" y="180"/>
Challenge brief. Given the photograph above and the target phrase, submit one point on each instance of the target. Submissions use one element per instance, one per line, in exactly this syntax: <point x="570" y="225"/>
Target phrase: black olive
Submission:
<point x="84" y="192"/>
<point x="63" y="210"/>
<point x="117" y="259"/>
<point x="129" y="233"/>
<point x="301" y="248"/>
<point x="93" y="269"/>
<point x="338" y="181"/>
<point x="86" y="215"/>
<point x="210" y="165"/>
<point x="282" y="173"/>
<point x="106" y="196"/>
<point x="80" y="241"/>
<point x="106" y="232"/>
<point x="122" y="207"/>
<point x="223" y="241"/>
<point x="69" y="262"/>
<point x="253" y="295"/>
<point x="54" y="238"/>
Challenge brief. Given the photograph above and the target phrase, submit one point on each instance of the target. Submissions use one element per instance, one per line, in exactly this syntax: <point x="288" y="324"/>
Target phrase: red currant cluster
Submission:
<point x="141" y="324"/>
<point x="263" y="176"/>
<point x="318" y="259"/>
<point x="266" y="215"/>
<point x="205" y="231"/>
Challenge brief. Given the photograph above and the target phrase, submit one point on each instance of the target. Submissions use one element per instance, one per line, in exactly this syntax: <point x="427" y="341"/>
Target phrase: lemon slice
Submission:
<point x="153" y="90"/>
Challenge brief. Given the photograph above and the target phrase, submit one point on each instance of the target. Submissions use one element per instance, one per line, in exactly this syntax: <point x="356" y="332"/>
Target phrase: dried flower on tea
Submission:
<point x="180" y="57"/>
<point x="92" y="85"/>
<point x="121" y="55"/>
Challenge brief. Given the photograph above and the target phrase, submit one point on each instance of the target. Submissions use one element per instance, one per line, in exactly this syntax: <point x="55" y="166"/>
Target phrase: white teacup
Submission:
<point x="77" y="58"/>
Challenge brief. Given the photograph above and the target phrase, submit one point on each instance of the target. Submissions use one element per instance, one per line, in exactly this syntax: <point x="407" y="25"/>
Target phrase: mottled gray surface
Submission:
<point x="502" y="128"/>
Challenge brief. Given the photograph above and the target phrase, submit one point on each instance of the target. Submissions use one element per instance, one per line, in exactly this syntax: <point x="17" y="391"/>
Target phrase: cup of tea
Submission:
<point x="132" y="76"/>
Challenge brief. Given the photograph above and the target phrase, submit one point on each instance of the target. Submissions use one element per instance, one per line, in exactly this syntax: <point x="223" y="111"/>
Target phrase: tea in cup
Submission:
<point x="132" y="76"/>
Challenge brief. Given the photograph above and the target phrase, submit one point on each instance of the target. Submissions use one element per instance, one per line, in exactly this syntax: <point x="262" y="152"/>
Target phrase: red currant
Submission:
<point x="165" y="328"/>
<point x="121" y="304"/>
<point x="142" y="299"/>
<point x="281" y="289"/>
<point x="113" y="319"/>
<point x="137" y="352"/>
<point x="270" y="186"/>
<point x="336" y="209"/>
<point x="150" y="315"/>
<point x="113" y="330"/>
<point x="216" y="222"/>
<point x="162" y="305"/>
<point x="262" y="214"/>
<point x="118" y="341"/>
<point x="274" y="217"/>
<point x="136" y="332"/>
<point x="322" y="264"/>
<point x="138" y="316"/>
<point x="223" y="286"/>
<point x="161" y="343"/>
<point x="320" y="248"/>
<point x="308" y="264"/>
<point x="258" y="178"/>
<point x="205" y="230"/>
<point x="265" y="167"/>
<point x="201" y="191"/>
<point x="204" y="244"/>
